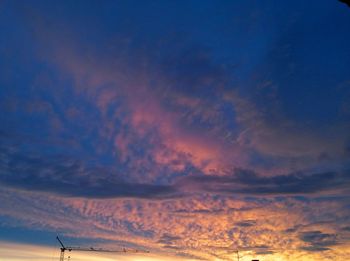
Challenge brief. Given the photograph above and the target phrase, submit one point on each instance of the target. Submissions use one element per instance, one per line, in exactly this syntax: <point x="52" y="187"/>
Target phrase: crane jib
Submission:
<point x="63" y="248"/>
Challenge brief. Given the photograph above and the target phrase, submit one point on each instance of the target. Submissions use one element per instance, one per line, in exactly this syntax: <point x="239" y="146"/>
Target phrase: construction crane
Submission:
<point x="124" y="250"/>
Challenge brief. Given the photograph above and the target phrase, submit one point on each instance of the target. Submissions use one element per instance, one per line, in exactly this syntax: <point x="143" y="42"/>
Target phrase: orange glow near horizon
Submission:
<point x="10" y="251"/>
<point x="18" y="252"/>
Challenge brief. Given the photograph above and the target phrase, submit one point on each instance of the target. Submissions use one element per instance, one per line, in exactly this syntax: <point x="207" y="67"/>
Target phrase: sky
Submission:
<point x="190" y="129"/>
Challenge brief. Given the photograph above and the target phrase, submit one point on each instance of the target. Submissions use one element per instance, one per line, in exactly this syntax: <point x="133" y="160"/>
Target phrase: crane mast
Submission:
<point x="64" y="248"/>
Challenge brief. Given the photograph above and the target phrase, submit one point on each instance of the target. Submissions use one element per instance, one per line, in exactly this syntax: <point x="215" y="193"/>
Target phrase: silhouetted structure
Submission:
<point x="124" y="250"/>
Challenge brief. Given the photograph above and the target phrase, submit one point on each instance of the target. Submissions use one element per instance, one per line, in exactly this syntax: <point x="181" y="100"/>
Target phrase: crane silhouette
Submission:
<point x="69" y="249"/>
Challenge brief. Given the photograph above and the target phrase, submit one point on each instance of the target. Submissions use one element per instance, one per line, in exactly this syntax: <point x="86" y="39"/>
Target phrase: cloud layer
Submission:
<point x="224" y="128"/>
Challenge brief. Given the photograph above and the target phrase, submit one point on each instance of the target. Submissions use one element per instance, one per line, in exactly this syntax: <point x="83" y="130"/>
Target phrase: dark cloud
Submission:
<point x="76" y="178"/>
<point x="264" y="252"/>
<point x="249" y="182"/>
<point x="190" y="256"/>
<point x="291" y="230"/>
<point x="318" y="241"/>
<point x="246" y="223"/>
<point x="213" y="211"/>
<point x="200" y="211"/>
<point x="314" y="248"/>
<point x="172" y="247"/>
<point x="65" y="175"/>
<point x="168" y="239"/>
<point x="69" y="177"/>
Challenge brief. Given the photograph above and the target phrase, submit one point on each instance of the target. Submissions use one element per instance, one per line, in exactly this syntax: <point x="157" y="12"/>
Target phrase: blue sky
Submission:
<point x="177" y="126"/>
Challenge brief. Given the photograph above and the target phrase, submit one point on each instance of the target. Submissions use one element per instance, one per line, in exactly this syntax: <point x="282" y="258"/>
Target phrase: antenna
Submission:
<point x="238" y="256"/>
<point x="124" y="250"/>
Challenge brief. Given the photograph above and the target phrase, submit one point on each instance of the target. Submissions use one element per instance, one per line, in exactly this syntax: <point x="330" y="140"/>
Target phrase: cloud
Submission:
<point x="318" y="241"/>
<point x="246" y="223"/>
<point x="249" y="182"/>
<point x="130" y="125"/>
<point x="143" y="222"/>
<point x="168" y="239"/>
<point x="72" y="178"/>
<point x="282" y="143"/>
<point x="67" y="176"/>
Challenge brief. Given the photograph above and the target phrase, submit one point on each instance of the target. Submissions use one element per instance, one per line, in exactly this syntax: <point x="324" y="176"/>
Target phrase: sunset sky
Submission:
<point x="191" y="129"/>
